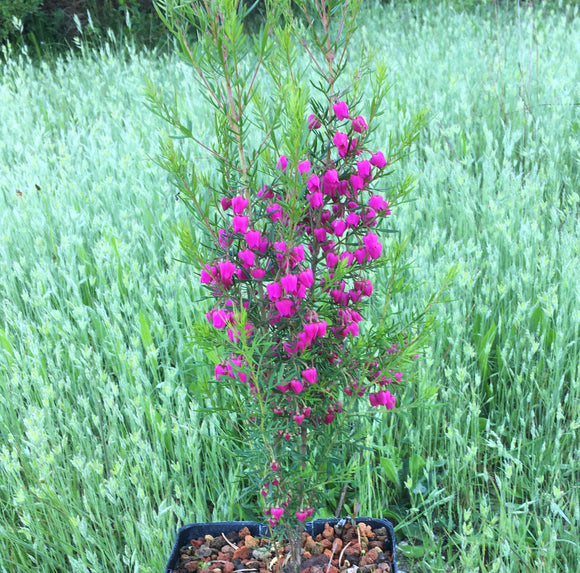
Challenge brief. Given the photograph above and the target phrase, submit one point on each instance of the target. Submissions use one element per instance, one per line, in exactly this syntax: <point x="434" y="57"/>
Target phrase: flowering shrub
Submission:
<point x="295" y="231"/>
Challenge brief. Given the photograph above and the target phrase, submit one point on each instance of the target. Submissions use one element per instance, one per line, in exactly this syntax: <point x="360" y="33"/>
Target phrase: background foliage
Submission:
<point x="54" y="24"/>
<point x="104" y="451"/>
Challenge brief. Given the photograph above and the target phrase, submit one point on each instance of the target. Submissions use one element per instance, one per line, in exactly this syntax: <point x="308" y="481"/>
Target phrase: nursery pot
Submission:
<point x="313" y="528"/>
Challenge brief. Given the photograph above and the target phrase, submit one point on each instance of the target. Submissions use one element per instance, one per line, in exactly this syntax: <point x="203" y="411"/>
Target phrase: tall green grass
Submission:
<point x="103" y="449"/>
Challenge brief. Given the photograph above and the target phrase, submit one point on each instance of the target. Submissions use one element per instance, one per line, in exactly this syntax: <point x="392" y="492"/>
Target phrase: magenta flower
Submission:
<point x="313" y="184"/>
<point x="301" y="516"/>
<point x="282" y="388"/>
<point x="297" y="386"/>
<point x="340" y="110"/>
<point x="206" y="278"/>
<point x="285" y="307"/>
<point x="339" y="227"/>
<point x="374" y="248"/>
<point x="275" y="212"/>
<point x="298" y="418"/>
<point x="330" y="182"/>
<point x="289" y="283"/>
<point x="352" y="219"/>
<point x="364" y="169"/>
<point x="341" y="141"/>
<point x="298" y="254"/>
<point x="316" y="200"/>
<point x="226" y="270"/>
<point x="282" y="163"/>
<point x="306" y="278"/>
<point x="378" y="160"/>
<point x="310" y="375"/>
<point x="258" y="273"/>
<point x="240" y="224"/>
<point x="357" y="182"/>
<point x="265" y="193"/>
<point x="378" y="203"/>
<point x="320" y="235"/>
<point x="313" y="122"/>
<point x="359" y="124"/>
<point x="360" y="255"/>
<point x="247" y="257"/>
<point x="253" y="239"/>
<point x="274" y="291"/>
<point x="226" y="203"/>
<point x="277" y="512"/>
<point x="331" y="260"/>
<point x="239" y="204"/>
<point x="304" y="167"/>
<point x="220" y="318"/>
<point x="225" y="239"/>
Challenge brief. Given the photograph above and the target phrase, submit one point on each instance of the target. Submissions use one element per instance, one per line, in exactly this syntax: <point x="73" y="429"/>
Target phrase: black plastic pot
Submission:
<point x="313" y="528"/>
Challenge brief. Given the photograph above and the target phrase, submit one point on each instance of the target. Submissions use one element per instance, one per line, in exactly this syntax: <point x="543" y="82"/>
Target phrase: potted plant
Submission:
<point x="292" y="213"/>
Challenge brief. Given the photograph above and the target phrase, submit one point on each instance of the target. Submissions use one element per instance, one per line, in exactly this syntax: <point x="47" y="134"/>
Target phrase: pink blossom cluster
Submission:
<point x="301" y="281"/>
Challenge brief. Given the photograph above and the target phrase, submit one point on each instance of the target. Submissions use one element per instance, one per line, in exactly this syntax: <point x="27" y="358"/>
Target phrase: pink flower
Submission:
<point x="374" y="248"/>
<point x="265" y="193"/>
<point x="316" y="200"/>
<point x="320" y="235"/>
<point x="330" y="182"/>
<point x="341" y="141"/>
<point x="364" y="169"/>
<point x="297" y="386"/>
<point x="206" y="278"/>
<point x="277" y="512"/>
<point x="339" y="227"/>
<point x="275" y="467"/>
<point x="310" y="375"/>
<point x="220" y="318"/>
<point x="226" y="203"/>
<point x="329" y="418"/>
<point x="289" y="283"/>
<point x="239" y="204"/>
<point x="226" y="270"/>
<point x="247" y="257"/>
<point x="390" y="401"/>
<point x="377" y="203"/>
<point x="253" y="239"/>
<point x="357" y="182"/>
<point x="282" y="163"/>
<point x="301" y="516"/>
<point x="304" y="167"/>
<point x="359" y="124"/>
<point x="360" y="255"/>
<point x="331" y="260"/>
<point x="313" y="122"/>
<point x="352" y="219"/>
<point x="298" y="254"/>
<point x="306" y="278"/>
<point x="298" y="418"/>
<point x="340" y="110"/>
<point x="283" y="388"/>
<point x="285" y="307"/>
<point x="378" y="160"/>
<point x="224" y="239"/>
<point x="275" y="212"/>
<point x="313" y="184"/>
<point x="274" y="291"/>
<point x="258" y="273"/>
<point x="240" y="224"/>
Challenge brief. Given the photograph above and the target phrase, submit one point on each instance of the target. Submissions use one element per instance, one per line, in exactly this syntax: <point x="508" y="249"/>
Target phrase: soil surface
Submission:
<point x="348" y="549"/>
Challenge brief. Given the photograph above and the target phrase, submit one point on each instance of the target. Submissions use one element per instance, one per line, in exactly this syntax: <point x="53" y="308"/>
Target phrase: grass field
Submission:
<point x="102" y="452"/>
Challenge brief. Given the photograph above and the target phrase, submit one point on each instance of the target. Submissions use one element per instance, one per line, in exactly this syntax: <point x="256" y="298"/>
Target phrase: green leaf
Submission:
<point x="390" y="470"/>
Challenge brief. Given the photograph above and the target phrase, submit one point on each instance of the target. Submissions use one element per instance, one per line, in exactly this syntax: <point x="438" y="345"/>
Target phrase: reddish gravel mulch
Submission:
<point x="347" y="549"/>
